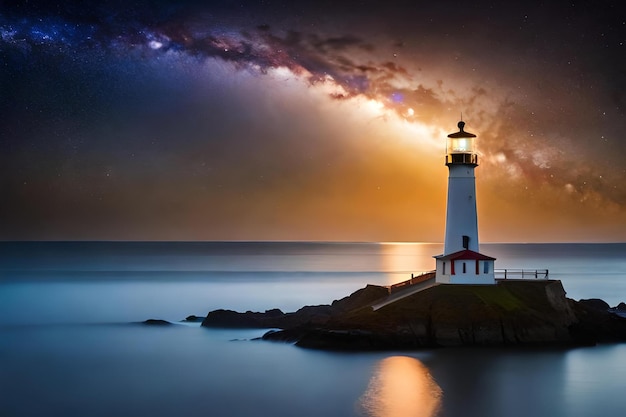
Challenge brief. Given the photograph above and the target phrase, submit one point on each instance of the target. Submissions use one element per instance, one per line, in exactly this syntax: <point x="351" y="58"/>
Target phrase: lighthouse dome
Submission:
<point x="460" y="147"/>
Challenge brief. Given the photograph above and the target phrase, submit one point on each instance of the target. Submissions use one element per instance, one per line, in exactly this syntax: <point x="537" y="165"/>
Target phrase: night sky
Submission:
<point x="309" y="120"/>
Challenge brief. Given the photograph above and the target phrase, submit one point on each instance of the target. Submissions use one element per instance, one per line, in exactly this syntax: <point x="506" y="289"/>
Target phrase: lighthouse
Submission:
<point x="461" y="261"/>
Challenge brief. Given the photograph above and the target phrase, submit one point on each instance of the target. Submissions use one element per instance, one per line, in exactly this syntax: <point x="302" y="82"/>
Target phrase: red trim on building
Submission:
<point x="466" y="255"/>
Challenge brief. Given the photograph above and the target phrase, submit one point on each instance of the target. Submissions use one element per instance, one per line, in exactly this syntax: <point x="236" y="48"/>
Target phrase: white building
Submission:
<point x="462" y="262"/>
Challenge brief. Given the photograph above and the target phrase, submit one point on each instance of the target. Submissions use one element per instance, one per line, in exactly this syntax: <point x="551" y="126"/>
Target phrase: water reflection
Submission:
<point x="400" y="260"/>
<point x="401" y="387"/>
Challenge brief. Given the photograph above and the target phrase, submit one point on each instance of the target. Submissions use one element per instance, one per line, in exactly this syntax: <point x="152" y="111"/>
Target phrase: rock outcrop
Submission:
<point x="308" y="315"/>
<point x="193" y="319"/>
<point x="511" y="313"/>
<point x="156" y="322"/>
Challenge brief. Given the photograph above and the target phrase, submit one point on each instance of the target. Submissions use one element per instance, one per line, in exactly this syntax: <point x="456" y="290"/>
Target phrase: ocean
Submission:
<point x="71" y="345"/>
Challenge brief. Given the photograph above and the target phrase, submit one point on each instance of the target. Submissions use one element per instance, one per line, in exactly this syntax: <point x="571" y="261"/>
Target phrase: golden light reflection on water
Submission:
<point x="401" y="387"/>
<point x="404" y="259"/>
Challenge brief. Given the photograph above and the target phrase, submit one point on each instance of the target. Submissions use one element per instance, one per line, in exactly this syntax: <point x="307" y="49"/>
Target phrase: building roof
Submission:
<point x="465" y="255"/>
<point x="461" y="133"/>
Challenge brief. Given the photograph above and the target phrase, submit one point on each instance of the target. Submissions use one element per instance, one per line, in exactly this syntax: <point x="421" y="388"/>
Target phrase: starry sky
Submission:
<point x="309" y="120"/>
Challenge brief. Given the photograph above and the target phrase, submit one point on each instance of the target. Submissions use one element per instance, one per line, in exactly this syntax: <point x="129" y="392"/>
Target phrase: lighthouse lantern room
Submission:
<point x="462" y="262"/>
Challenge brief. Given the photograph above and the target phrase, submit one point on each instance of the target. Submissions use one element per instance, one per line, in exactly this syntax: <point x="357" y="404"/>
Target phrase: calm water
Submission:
<point x="68" y="346"/>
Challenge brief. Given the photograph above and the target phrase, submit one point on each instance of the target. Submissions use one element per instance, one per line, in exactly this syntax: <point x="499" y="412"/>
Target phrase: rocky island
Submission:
<point x="454" y="305"/>
<point x="510" y="313"/>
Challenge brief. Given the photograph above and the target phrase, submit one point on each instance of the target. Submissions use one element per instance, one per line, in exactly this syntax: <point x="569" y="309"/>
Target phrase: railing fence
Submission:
<point x="521" y="273"/>
<point x="414" y="280"/>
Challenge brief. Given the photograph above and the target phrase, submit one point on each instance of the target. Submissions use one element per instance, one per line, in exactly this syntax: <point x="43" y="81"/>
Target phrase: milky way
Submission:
<point x="308" y="120"/>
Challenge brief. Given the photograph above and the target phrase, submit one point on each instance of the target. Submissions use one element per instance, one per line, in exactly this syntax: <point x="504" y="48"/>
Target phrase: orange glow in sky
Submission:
<point x="308" y="126"/>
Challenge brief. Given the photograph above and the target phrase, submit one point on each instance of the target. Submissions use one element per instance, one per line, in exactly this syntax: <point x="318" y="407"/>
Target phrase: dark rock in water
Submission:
<point x="194" y="319"/>
<point x="595" y="304"/>
<point x="287" y="335"/>
<point x="275" y="312"/>
<point x="598" y="325"/>
<point x="311" y="315"/>
<point x="351" y="340"/>
<point x="249" y="319"/>
<point x="619" y="310"/>
<point x="156" y="322"/>
<point x="363" y="297"/>
<point x="511" y="313"/>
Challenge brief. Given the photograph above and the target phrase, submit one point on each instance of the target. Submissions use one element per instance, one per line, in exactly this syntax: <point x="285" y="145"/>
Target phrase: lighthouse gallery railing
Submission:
<point x="521" y="273"/>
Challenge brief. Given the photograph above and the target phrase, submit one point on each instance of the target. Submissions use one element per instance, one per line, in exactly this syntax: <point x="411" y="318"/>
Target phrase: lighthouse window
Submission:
<point x="461" y="145"/>
<point x="464" y="268"/>
<point x="486" y="267"/>
<point x="444" y="268"/>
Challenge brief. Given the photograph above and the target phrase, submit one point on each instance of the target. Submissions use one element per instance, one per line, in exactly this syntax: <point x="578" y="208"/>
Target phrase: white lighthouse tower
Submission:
<point x="462" y="262"/>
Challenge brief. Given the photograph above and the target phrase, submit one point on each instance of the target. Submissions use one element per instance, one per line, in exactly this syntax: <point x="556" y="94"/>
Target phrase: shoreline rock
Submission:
<point x="307" y="315"/>
<point x="156" y="322"/>
<point x="193" y="319"/>
<point x="511" y="313"/>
